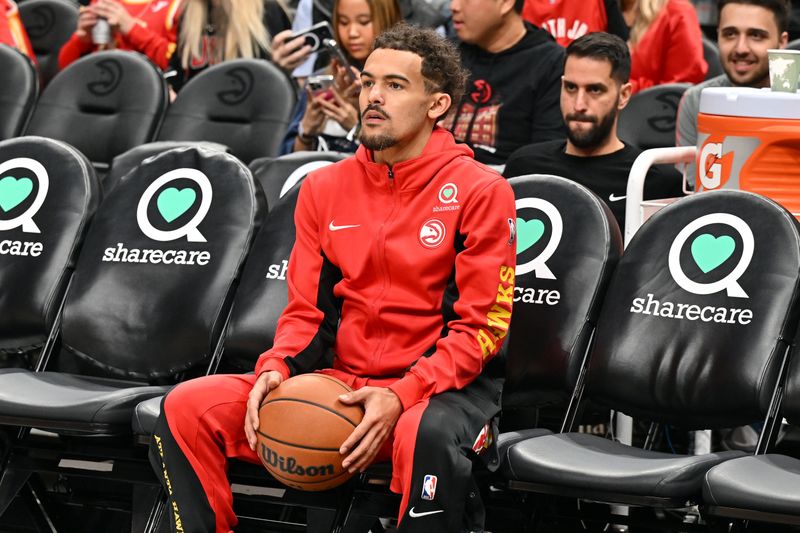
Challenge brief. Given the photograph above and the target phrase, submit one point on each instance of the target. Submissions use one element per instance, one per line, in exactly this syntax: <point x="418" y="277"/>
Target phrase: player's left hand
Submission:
<point x="382" y="408"/>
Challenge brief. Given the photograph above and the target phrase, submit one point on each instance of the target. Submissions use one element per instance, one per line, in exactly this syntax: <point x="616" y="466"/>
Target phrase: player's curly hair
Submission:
<point x="441" y="61"/>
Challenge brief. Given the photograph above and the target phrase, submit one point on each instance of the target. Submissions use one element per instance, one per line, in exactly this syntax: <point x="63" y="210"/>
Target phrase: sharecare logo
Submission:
<point x="171" y="204"/>
<point x="19" y="178"/>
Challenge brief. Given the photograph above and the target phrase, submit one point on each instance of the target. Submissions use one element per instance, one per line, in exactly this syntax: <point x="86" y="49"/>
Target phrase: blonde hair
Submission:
<point x="241" y="30"/>
<point x="646" y="12"/>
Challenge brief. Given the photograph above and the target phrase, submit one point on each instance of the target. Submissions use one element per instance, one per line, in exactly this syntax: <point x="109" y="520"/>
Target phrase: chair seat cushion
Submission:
<point x="508" y="439"/>
<point x="145" y="416"/>
<point x="592" y="463"/>
<point x="51" y="399"/>
<point x="766" y="483"/>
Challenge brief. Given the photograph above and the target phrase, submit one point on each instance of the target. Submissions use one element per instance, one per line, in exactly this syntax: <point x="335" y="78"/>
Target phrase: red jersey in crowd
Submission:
<point x="12" y="32"/>
<point x="671" y="50"/>
<point x="154" y="36"/>
<point x="566" y="20"/>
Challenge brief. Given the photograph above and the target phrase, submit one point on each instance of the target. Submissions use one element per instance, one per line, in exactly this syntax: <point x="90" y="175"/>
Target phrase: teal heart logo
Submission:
<point x="13" y="192"/>
<point x="709" y="252"/>
<point x="528" y="233"/>
<point x="172" y="202"/>
<point x="448" y="192"/>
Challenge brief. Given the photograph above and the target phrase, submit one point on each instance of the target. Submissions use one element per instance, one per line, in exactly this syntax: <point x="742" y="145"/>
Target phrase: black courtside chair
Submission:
<point x="695" y="329"/>
<point x="48" y="193"/>
<point x="648" y="121"/>
<point x="147" y="303"/>
<point x="49" y="24"/>
<point x="278" y="175"/>
<point x="245" y="104"/>
<point x="103" y="104"/>
<point x="18" y="93"/>
<point x="259" y="301"/>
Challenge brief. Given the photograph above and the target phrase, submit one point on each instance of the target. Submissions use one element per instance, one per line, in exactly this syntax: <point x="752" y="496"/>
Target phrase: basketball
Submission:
<point x="302" y="424"/>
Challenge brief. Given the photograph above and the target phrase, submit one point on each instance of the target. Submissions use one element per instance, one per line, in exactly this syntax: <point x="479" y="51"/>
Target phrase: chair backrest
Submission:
<point x="18" y="92"/>
<point x="568" y="244"/>
<point x="648" y="121"/>
<point x="103" y="104"/>
<point x="49" y="24"/>
<point x="127" y="161"/>
<point x="149" y="294"/>
<point x="711" y="55"/>
<point x="278" y="175"/>
<point x="245" y="104"/>
<point x="699" y="312"/>
<point x="48" y="192"/>
<point x="262" y="293"/>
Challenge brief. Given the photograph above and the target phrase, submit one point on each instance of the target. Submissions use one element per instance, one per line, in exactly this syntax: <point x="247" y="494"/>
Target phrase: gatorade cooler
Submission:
<point x="749" y="139"/>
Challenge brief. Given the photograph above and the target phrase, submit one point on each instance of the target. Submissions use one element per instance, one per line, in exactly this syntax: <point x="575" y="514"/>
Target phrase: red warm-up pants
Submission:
<point x="202" y="426"/>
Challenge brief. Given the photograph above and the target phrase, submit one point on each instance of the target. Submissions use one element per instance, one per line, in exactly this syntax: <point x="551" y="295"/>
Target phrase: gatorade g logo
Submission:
<point x="530" y="234"/>
<point x="706" y="255"/>
<point x="714" y="167"/>
<point x="171" y="204"/>
<point x="23" y="187"/>
<point x="109" y="79"/>
<point x="241" y="82"/>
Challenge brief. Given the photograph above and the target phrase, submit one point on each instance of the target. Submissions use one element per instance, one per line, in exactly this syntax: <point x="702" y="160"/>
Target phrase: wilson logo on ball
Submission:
<point x="289" y="464"/>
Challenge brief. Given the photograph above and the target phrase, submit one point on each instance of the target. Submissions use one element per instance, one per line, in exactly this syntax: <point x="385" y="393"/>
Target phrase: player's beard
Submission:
<point x="596" y="135"/>
<point x="376" y="143"/>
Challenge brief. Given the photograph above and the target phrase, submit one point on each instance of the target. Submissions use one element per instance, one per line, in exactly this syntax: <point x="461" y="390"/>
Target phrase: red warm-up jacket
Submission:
<point x="405" y="273"/>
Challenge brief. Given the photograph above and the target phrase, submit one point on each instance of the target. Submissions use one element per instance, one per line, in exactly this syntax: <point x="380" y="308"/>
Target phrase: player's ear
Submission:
<point x="440" y="104"/>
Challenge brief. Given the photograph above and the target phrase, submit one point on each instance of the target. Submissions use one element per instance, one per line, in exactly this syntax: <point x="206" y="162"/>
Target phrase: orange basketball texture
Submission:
<point x="302" y="424"/>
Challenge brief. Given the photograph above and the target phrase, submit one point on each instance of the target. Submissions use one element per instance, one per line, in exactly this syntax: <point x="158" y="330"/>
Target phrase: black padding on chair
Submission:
<point x="648" y="121"/>
<point x="793" y="45"/>
<point x="711" y="55"/>
<point x="279" y="174"/>
<point x="144" y="320"/>
<point x="48" y="193"/>
<point x="762" y="483"/>
<point x="49" y="24"/>
<point x="103" y="104"/>
<point x="145" y="416"/>
<point x="650" y="361"/>
<point x="245" y="104"/>
<point x="18" y="91"/>
<point x="180" y="314"/>
<point x="125" y="162"/>
<point x="568" y="244"/>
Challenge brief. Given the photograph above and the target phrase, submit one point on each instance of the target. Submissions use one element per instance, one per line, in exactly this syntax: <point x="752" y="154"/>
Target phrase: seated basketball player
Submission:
<point x="403" y="266"/>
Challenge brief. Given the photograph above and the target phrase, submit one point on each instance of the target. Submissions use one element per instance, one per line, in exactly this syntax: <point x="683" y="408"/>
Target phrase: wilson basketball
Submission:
<point x="302" y="424"/>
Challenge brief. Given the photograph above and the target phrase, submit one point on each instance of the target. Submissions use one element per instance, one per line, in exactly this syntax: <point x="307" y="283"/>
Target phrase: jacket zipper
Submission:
<point x="376" y="356"/>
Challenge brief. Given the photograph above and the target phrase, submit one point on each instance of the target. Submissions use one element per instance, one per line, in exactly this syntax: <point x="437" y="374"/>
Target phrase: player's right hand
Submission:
<point x="86" y="21"/>
<point x="266" y="382"/>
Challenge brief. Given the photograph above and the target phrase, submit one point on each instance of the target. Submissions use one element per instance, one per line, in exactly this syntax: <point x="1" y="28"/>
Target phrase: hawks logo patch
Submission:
<point x="432" y="233"/>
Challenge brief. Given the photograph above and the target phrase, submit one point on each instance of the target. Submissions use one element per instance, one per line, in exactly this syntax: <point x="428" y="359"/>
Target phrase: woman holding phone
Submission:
<point x="326" y="117"/>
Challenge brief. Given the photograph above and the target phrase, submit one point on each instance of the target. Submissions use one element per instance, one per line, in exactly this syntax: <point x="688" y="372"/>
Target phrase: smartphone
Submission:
<point x="319" y="84"/>
<point x="320" y="36"/>
<point x="316" y="35"/>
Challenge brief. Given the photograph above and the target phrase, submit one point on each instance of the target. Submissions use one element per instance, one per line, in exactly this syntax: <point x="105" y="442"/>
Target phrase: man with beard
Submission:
<point x="594" y="89"/>
<point x="403" y="267"/>
<point x="746" y="30"/>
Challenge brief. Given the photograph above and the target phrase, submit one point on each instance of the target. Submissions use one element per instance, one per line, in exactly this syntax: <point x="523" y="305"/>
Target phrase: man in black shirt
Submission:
<point x="594" y="90"/>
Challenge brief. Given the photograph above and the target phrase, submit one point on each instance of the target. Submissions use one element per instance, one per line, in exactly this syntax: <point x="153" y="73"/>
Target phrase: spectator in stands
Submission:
<point x="146" y="27"/>
<point x="594" y="89"/>
<point x="746" y="30"/>
<point x="218" y="30"/>
<point x="666" y="43"/>
<point x="329" y="119"/>
<point x="12" y="32"/>
<point x="567" y="20"/>
<point x="512" y="93"/>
